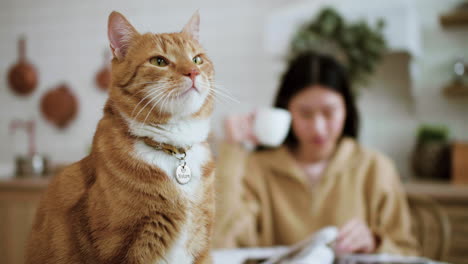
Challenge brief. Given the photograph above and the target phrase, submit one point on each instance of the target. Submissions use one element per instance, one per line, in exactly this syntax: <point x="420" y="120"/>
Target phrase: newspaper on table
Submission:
<point x="316" y="249"/>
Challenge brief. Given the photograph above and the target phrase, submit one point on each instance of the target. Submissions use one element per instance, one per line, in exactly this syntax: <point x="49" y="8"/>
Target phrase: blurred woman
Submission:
<point x="320" y="176"/>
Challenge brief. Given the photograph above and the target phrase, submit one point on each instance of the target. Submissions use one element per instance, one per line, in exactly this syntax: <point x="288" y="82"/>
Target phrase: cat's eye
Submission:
<point x="197" y="60"/>
<point x="159" y="61"/>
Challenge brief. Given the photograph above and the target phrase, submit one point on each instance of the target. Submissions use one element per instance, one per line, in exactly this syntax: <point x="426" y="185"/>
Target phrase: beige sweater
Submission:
<point x="264" y="198"/>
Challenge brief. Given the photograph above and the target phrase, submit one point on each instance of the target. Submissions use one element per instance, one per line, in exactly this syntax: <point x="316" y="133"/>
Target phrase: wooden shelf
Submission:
<point x="456" y="89"/>
<point x="24" y="184"/>
<point x="437" y="189"/>
<point x="455" y="19"/>
<point x="453" y="200"/>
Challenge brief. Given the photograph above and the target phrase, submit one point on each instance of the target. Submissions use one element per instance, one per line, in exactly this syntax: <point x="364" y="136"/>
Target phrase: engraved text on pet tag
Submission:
<point x="183" y="174"/>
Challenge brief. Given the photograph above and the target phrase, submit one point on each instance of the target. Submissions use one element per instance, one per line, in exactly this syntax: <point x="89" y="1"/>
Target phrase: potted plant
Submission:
<point x="432" y="154"/>
<point x="358" y="46"/>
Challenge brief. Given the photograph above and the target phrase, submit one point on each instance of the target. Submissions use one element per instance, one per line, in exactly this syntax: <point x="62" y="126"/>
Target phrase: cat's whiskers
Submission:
<point x="154" y="95"/>
<point x="154" y="104"/>
<point x="222" y="99"/>
<point x="218" y="99"/>
<point x="157" y="88"/>
<point x="169" y="95"/>
<point x="220" y="90"/>
<point x="162" y="104"/>
<point x="144" y="88"/>
<point x="212" y="94"/>
<point x="165" y="96"/>
<point x="226" y="96"/>
<point x="217" y="91"/>
<point x="151" y="93"/>
<point x="142" y="83"/>
<point x="167" y="100"/>
<point x="171" y="103"/>
<point x="158" y="83"/>
<point x="218" y="85"/>
<point x="156" y="99"/>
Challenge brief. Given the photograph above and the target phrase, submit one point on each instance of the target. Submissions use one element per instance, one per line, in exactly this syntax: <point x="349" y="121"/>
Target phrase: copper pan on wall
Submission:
<point x="23" y="76"/>
<point x="59" y="106"/>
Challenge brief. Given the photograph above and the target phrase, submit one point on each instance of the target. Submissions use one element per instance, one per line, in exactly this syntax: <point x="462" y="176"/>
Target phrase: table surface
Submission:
<point x="238" y="256"/>
<point x="433" y="188"/>
<point x="24" y="183"/>
<point x="437" y="189"/>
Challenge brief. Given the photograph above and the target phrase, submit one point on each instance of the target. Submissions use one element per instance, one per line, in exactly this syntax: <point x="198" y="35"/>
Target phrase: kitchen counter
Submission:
<point x="439" y="190"/>
<point x="19" y="199"/>
<point x="24" y="184"/>
<point x="453" y="200"/>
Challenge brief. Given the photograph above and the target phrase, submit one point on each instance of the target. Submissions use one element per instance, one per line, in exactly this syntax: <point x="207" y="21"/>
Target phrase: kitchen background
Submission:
<point x="413" y="86"/>
<point x="66" y="41"/>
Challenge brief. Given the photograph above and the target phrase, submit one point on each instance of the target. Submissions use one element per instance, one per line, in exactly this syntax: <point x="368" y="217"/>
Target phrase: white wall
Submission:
<point x="393" y="109"/>
<point x="392" y="105"/>
<point x="66" y="40"/>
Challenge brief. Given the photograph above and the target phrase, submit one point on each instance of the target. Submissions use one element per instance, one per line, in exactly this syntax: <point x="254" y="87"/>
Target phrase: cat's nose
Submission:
<point x="192" y="74"/>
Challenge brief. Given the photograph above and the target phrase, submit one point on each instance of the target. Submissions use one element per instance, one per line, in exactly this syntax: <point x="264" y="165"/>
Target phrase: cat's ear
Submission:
<point x="120" y="32"/>
<point x="192" y="28"/>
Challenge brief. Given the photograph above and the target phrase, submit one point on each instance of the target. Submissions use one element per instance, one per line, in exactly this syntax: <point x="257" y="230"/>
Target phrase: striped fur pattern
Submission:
<point x="121" y="203"/>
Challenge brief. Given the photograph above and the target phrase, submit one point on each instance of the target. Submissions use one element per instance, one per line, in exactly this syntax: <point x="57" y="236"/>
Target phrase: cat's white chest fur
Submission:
<point x="192" y="133"/>
<point x="177" y="133"/>
<point x="178" y="252"/>
<point x="196" y="157"/>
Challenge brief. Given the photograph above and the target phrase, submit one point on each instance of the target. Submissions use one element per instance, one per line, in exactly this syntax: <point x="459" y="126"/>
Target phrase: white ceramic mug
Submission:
<point x="271" y="126"/>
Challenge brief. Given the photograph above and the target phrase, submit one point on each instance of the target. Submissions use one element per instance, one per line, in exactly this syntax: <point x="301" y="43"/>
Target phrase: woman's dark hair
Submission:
<point x="313" y="69"/>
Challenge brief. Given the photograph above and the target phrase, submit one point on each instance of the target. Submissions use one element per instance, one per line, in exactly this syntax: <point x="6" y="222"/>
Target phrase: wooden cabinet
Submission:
<point x="453" y="199"/>
<point x="18" y="202"/>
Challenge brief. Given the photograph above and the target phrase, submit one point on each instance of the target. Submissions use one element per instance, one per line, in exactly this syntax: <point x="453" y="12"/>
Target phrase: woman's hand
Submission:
<point x="239" y="128"/>
<point x="355" y="237"/>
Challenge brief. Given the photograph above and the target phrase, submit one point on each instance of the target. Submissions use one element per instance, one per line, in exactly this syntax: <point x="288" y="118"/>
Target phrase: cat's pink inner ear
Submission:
<point x="192" y="28"/>
<point x="120" y="32"/>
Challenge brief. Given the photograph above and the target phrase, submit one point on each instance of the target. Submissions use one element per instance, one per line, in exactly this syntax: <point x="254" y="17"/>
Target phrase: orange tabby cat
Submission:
<point x="145" y="193"/>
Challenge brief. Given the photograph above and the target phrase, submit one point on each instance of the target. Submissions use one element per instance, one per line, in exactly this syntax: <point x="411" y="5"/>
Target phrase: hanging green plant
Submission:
<point x="358" y="46"/>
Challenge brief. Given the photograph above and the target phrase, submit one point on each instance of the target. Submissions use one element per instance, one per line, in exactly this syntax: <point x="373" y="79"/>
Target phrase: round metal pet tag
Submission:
<point x="183" y="174"/>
